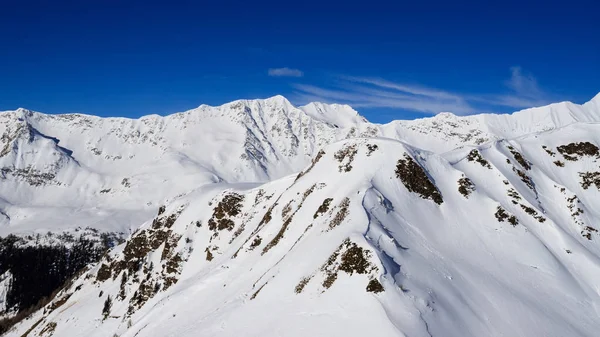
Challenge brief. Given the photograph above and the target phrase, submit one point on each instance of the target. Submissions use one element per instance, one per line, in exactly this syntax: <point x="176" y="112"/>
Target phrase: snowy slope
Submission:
<point x="446" y="131"/>
<point x="113" y="173"/>
<point x="120" y="166"/>
<point x="284" y="220"/>
<point x="374" y="237"/>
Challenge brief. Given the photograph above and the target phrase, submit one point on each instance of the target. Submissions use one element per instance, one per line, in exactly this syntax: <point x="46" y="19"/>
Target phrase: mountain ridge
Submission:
<point x="245" y="140"/>
<point x="376" y="218"/>
<point x="256" y="205"/>
<point x="593" y="100"/>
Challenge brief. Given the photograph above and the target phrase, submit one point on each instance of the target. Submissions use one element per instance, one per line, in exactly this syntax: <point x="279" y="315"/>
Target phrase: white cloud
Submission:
<point x="525" y="91"/>
<point x="371" y="92"/>
<point x="378" y="93"/>
<point x="522" y="83"/>
<point x="409" y="89"/>
<point x="285" y="72"/>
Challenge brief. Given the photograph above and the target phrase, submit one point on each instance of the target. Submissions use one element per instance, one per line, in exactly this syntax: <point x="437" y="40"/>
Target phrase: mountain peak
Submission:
<point x="22" y="112"/>
<point x="277" y="99"/>
<point x="448" y="115"/>
<point x="341" y="115"/>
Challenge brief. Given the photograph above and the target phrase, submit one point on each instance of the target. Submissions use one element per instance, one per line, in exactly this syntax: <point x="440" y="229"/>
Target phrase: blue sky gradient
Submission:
<point x="390" y="60"/>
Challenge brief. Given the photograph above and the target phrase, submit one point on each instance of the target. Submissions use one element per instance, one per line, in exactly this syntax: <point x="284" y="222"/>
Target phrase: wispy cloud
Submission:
<point x="521" y="91"/>
<point x="525" y="91"/>
<point x="379" y="93"/>
<point x="409" y="89"/>
<point x="285" y="72"/>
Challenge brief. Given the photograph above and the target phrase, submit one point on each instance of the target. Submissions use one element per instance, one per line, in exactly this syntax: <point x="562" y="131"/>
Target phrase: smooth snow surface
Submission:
<point x="278" y="221"/>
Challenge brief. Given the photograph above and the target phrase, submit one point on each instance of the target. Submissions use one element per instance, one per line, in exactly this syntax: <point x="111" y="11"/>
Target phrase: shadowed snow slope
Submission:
<point x="284" y="221"/>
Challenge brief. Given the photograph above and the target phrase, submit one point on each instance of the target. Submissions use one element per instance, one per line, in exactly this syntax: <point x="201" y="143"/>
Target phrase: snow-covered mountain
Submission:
<point x="113" y="173"/>
<point x="283" y="220"/>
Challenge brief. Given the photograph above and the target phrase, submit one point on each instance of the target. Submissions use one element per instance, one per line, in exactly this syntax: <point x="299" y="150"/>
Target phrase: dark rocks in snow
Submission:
<point x="256" y="242"/>
<point x="519" y="158"/>
<point x="346" y="156"/>
<point x="533" y="213"/>
<point x="350" y="258"/>
<point x="31" y="176"/>
<point x="524" y="178"/>
<point x="303" y="282"/>
<point x="104" y="273"/>
<point x="371" y="148"/>
<point x="134" y="261"/>
<point x="323" y="208"/>
<point x="355" y="259"/>
<point x="416" y="180"/>
<point x="107" y="306"/>
<point x="502" y="215"/>
<point x="287" y="221"/>
<point x="475" y="156"/>
<point x="342" y="213"/>
<point x="548" y="151"/>
<point x="279" y="235"/>
<point x="587" y="232"/>
<point x="330" y="267"/>
<point x="230" y="206"/>
<point x="590" y="178"/>
<point x="374" y="286"/>
<point x="514" y="195"/>
<point x="209" y="255"/>
<point x="258" y="291"/>
<point x="286" y="210"/>
<point x="465" y="186"/>
<point x="572" y="150"/>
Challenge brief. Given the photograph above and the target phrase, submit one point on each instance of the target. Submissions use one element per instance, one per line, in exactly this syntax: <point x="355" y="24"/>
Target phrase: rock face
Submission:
<point x="291" y="221"/>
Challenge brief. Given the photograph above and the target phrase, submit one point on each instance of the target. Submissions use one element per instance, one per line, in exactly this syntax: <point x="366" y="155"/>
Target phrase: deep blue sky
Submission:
<point x="388" y="59"/>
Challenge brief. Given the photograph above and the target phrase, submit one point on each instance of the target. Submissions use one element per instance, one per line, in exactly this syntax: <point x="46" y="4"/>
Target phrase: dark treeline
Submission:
<point x="38" y="270"/>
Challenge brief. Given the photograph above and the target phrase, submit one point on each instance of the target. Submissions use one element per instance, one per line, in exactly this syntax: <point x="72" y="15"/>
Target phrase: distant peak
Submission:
<point x="277" y="98"/>
<point x="22" y="112"/>
<point x="446" y="115"/>
<point x="338" y="114"/>
<point x="337" y="105"/>
<point x="324" y="107"/>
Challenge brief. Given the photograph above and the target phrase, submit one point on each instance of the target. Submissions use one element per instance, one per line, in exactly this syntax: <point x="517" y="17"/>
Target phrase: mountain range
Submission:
<point x="261" y="218"/>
